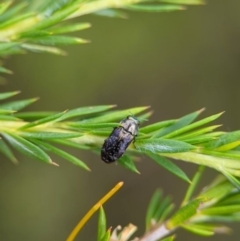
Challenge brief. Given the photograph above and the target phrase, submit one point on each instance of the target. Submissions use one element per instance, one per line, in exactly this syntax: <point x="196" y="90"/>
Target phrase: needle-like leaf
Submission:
<point x="27" y="148"/>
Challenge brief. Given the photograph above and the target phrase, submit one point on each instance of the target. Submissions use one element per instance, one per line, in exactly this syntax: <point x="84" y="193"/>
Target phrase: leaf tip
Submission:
<point x="147" y="107"/>
<point x="182" y="8"/>
<point x="222" y="113"/>
<point x="54" y="163"/>
<point x="201" y="110"/>
<point x="113" y="106"/>
<point x="15" y="161"/>
<point x="35" y="99"/>
<point x="83" y="41"/>
<point x="222" y="230"/>
<point x="17" y="92"/>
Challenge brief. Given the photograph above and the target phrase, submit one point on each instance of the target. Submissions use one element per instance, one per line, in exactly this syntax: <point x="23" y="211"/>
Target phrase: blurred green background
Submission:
<point x="176" y="62"/>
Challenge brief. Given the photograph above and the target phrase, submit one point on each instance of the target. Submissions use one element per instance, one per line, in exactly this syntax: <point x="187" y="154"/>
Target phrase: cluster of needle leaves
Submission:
<point x="38" y="134"/>
<point x="40" y="26"/>
<point x="202" y="214"/>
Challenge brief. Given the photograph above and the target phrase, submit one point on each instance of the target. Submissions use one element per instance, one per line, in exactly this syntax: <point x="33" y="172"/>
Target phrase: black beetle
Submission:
<point x="119" y="140"/>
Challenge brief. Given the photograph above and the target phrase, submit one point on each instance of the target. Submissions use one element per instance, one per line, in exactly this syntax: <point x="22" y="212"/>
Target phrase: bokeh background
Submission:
<point x="176" y="62"/>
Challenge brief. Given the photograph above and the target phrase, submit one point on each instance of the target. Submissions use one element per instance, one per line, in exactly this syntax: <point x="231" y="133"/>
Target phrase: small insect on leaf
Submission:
<point x="119" y="140"/>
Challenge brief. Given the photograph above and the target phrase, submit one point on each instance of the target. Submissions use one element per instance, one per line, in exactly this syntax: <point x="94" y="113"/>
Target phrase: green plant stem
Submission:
<point x="157" y="233"/>
<point x="96" y="6"/>
<point x="211" y="161"/>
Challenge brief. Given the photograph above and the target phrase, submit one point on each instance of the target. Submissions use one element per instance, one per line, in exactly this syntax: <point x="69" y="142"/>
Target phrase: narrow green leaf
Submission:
<point x="162" y="207"/>
<point x="11" y="51"/>
<point x="170" y="166"/>
<point x="7" y="95"/>
<point x="50" y="135"/>
<point x="171" y="238"/>
<point x="226" y="218"/>
<point x="100" y="132"/>
<point x="202" y="230"/>
<point x="182" y="122"/>
<point x="101" y="224"/>
<point x="71" y="144"/>
<point x="184" y="214"/>
<point x="166" y="212"/>
<point x="35" y="115"/>
<point x="224" y="140"/>
<point x="47" y="119"/>
<point x="111" y="13"/>
<point x="46" y="49"/>
<point x="152" y="207"/>
<point x="204" y="138"/>
<point x="218" y="180"/>
<point x="197" y="133"/>
<point x="232" y="179"/>
<point x="8" y="117"/>
<point x="107" y="235"/>
<point x="229" y="154"/>
<point x="50" y="7"/>
<point x="217" y="163"/>
<point x="59" y="40"/>
<point x="7" y="45"/>
<point x="192" y="126"/>
<point x="144" y="117"/>
<point x="56" y="18"/>
<point x="230" y="199"/>
<point x="5" y="150"/>
<point x="162" y="146"/>
<point x="27" y="148"/>
<point x="86" y="111"/>
<point x="13" y="11"/>
<point x="5" y="112"/>
<point x="17" y="105"/>
<point x="4" y="6"/>
<point x="193" y="185"/>
<point x="217" y="191"/>
<point x="35" y="34"/>
<point x="190" y="2"/>
<point x="155" y="8"/>
<point x="15" y="20"/>
<point x="5" y="71"/>
<point x="113" y="116"/>
<point x="70" y="28"/>
<point x="63" y="154"/>
<point x="221" y="210"/>
<point x="128" y="163"/>
<point x="157" y="126"/>
<point x="91" y="126"/>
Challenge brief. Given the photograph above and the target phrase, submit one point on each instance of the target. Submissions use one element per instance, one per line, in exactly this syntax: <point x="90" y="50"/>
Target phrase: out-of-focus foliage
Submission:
<point x="40" y="27"/>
